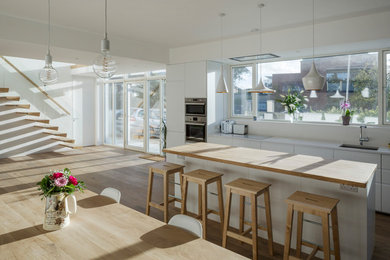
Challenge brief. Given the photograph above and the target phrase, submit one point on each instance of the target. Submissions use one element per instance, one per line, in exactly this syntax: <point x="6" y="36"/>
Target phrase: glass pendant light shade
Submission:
<point x="313" y="80"/>
<point x="313" y="94"/>
<point x="48" y="74"/>
<point x="104" y="65"/>
<point x="222" y="86"/>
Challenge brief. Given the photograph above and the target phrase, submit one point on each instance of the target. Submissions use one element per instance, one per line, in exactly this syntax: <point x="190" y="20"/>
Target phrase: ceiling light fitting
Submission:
<point x="260" y="88"/>
<point x="221" y="86"/>
<point x="313" y="80"/>
<point x="48" y="74"/>
<point x="104" y="65"/>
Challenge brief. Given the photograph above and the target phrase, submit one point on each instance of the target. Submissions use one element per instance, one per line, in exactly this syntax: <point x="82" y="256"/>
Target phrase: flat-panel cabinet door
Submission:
<point x="277" y="147"/>
<point x="378" y="197"/>
<point x="175" y="106"/>
<point x="386" y="161"/>
<point x="242" y="142"/>
<point x="386" y="176"/>
<point x="195" y="80"/>
<point x="358" y="156"/>
<point x="314" y="151"/>
<point x="386" y="198"/>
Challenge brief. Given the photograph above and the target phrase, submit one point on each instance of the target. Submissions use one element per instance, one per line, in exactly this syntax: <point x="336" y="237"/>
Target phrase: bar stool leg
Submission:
<point x="149" y="195"/>
<point x="227" y="216"/>
<point x="299" y="234"/>
<point x="204" y="209"/>
<point x="269" y="222"/>
<point x="254" y="225"/>
<point x="166" y="198"/>
<point x="335" y="230"/>
<point x="325" y="235"/>
<point x="220" y="202"/>
<point x="287" y="239"/>
<point x="242" y="214"/>
<point x="199" y="200"/>
<point x="184" y="199"/>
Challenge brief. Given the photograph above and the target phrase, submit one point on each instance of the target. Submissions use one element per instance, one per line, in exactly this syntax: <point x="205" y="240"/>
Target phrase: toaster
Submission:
<point x="240" y="129"/>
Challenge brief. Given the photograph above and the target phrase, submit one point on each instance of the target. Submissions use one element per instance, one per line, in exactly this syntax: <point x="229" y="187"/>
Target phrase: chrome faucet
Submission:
<point x="362" y="139"/>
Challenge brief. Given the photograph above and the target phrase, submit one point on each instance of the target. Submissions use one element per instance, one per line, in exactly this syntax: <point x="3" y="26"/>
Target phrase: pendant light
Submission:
<point x="221" y="86"/>
<point x="104" y="65"/>
<point x="337" y="94"/>
<point x="313" y="80"/>
<point x="313" y="94"/>
<point x="260" y="88"/>
<point x="48" y="74"/>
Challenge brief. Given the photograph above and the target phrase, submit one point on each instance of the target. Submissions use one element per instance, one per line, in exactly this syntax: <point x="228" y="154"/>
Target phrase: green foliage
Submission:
<point x="365" y="78"/>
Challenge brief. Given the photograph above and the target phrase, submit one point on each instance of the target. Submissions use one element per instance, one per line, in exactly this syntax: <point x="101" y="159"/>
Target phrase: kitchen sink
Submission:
<point x="354" y="146"/>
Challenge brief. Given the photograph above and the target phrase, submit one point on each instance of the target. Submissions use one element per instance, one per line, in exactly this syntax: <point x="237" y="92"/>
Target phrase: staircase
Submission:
<point x="23" y="110"/>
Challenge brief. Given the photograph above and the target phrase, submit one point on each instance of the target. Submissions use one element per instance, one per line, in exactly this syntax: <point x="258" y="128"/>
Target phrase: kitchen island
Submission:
<point x="350" y="182"/>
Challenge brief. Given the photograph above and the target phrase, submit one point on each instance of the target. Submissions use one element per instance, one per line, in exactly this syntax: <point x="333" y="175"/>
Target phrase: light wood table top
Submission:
<point x="101" y="229"/>
<point x="337" y="171"/>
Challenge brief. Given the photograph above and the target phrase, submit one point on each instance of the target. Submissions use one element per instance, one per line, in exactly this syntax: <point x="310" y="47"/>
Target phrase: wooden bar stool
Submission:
<point x="165" y="169"/>
<point x="322" y="206"/>
<point x="203" y="178"/>
<point x="251" y="189"/>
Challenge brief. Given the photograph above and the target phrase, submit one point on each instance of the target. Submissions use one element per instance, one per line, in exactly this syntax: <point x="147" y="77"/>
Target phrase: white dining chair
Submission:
<point x="188" y="223"/>
<point x="111" y="193"/>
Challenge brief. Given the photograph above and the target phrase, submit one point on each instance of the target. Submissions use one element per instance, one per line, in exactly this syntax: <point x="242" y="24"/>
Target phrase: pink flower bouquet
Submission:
<point x="60" y="182"/>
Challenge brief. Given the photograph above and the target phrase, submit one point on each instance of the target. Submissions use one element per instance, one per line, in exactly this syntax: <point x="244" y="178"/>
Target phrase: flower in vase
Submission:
<point x="61" y="182"/>
<point x="73" y="180"/>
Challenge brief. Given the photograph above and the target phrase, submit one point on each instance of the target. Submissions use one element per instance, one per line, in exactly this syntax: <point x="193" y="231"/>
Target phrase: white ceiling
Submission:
<point x="174" y="23"/>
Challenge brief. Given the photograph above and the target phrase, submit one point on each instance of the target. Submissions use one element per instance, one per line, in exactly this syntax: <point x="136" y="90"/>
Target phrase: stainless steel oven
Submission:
<point x="196" y="106"/>
<point x="196" y="128"/>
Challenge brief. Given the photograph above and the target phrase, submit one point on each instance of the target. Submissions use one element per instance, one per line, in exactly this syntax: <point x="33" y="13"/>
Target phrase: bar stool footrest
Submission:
<point x="314" y="246"/>
<point x="258" y="227"/>
<point x="239" y="237"/>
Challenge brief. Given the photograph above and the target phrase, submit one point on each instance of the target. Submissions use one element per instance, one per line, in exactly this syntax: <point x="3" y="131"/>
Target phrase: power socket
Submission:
<point x="348" y="188"/>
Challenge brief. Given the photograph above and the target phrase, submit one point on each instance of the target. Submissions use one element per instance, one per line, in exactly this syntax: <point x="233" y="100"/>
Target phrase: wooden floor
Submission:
<point x="104" y="166"/>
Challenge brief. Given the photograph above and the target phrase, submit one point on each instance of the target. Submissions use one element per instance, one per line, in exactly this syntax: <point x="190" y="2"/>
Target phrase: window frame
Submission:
<point x="381" y="86"/>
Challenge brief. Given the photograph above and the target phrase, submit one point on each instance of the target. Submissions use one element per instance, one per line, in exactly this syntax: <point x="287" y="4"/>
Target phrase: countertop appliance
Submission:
<point x="239" y="129"/>
<point x="227" y="126"/>
<point x="196" y="106"/>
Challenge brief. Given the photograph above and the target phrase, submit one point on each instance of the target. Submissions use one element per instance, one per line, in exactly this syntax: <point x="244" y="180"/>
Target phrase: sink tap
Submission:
<point x="362" y="139"/>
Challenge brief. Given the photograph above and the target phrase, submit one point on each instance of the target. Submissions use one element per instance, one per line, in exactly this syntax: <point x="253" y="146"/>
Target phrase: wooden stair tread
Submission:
<point x="4" y="90"/>
<point x="55" y="133"/>
<point x="45" y="121"/>
<point x="9" y="98"/>
<point x="70" y="146"/>
<point x="29" y="113"/>
<point x="26" y="106"/>
<point x="63" y="139"/>
<point x="47" y="127"/>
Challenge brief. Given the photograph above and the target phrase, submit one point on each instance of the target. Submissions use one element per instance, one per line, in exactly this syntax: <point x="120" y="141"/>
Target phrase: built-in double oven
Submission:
<point x="196" y="119"/>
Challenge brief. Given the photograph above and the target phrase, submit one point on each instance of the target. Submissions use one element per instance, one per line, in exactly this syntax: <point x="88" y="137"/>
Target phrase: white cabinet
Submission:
<point x="250" y="143"/>
<point x="386" y="161"/>
<point x="386" y="198"/>
<point x="176" y="72"/>
<point x="386" y="176"/>
<point x="358" y="156"/>
<point x="325" y="153"/>
<point x="195" y="80"/>
<point x="277" y="147"/>
<point x="378" y="197"/>
<point x="175" y="139"/>
<point x="175" y="106"/>
<point x="220" y="140"/>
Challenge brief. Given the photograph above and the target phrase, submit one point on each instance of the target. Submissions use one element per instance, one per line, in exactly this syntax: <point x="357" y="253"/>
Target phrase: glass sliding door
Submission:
<point x="108" y="112"/>
<point x="135" y="125"/>
<point x="154" y="116"/>
<point x="119" y="116"/>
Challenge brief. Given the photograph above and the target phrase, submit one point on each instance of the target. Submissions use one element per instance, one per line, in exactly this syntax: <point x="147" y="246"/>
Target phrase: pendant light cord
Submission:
<point x="222" y="15"/>
<point x="313" y="30"/>
<point x="260" y="39"/>
<point x="48" y="27"/>
<point x="105" y="19"/>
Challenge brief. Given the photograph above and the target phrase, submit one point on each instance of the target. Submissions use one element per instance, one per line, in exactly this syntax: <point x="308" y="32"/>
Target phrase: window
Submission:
<point x="242" y="99"/>
<point x="355" y="77"/>
<point x="387" y="85"/>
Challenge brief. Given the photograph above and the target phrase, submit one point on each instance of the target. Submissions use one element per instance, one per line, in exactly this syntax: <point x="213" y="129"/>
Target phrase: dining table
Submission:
<point x="100" y="229"/>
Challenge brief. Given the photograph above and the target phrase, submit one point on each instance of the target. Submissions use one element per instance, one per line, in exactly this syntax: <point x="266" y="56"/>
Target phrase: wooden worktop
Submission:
<point x="337" y="171"/>
<point x="101" y="229"/>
